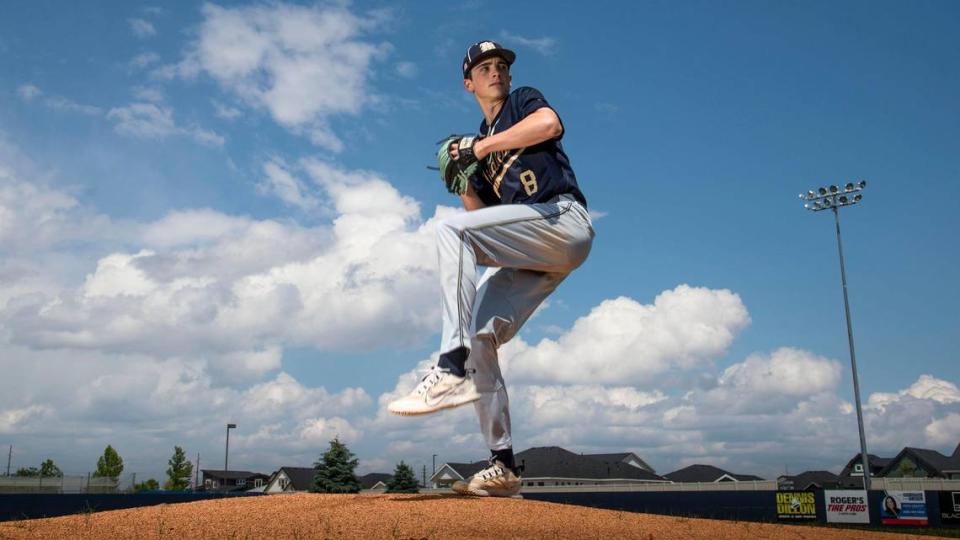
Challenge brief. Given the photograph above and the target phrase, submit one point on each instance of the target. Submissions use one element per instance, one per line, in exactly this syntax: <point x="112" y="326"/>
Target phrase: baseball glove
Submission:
<point x="456" y="173"/>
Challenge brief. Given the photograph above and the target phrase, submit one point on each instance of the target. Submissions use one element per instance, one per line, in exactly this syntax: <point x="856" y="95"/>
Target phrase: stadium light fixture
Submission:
<point x="823" y="199"/>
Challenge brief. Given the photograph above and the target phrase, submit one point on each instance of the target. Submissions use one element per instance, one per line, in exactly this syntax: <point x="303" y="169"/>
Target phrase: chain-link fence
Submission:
<point x="71" y="483"/>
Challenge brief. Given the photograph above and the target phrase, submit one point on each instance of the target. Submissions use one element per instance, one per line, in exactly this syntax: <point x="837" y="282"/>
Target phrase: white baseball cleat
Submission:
<point x="439" y="389"/>
<point x="494" y="481"/>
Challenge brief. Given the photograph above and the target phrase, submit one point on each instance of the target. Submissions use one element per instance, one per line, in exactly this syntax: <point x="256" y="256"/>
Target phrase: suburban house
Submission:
<point x="707" y="474"/>
<point x="293" y="479"/>
<point x="290" y="479"/>
<point x="852" y="474"/>
<point x="220" y="480"/>
<point x="374" y="480"/>
<point x="923" y="463"/>
<point x="555" y="466"/>
<point x="809" y="480"/>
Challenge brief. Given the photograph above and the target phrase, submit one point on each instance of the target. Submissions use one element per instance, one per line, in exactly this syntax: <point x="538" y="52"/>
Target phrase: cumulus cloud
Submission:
<point x="155" y="121"/>
<point x="622" y="340"/>
<point x="303" y="65"/>
<point x="228" y="284"/>
<point x="945" y="431"/>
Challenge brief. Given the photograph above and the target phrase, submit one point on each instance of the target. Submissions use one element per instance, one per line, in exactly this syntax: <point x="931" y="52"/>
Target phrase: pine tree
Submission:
<point x="110" y="464"/>
<point x="179" y="472"/>
<point x="334" y="470"/>
<point x="404" y="480"/>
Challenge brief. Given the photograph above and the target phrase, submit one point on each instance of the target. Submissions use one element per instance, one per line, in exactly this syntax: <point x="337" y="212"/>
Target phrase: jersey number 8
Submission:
<point x="529" y="181"/>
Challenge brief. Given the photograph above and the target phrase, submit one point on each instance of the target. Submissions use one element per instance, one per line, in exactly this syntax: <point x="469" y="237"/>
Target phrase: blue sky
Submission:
<point x="219" y="213"/>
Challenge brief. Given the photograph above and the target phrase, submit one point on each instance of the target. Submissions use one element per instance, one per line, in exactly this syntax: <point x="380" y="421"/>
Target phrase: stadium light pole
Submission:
<point x="834" y="198"/>
<point x="226" y="453"/>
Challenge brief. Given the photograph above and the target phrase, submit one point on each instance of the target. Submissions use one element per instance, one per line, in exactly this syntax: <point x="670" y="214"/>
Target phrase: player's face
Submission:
<point x="489" y="79"/>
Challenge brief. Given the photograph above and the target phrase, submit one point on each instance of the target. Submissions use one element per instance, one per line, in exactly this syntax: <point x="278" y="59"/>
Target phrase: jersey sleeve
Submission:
<point x="529" y="100"/>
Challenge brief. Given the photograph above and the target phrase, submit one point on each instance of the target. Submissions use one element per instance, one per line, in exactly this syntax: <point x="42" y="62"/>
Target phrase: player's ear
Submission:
<point x="468" y="85"/>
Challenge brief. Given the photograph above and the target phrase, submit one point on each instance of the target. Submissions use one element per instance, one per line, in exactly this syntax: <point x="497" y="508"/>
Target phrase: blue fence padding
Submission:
<point x="39" y="505"/>
<point x="735" y="505"/>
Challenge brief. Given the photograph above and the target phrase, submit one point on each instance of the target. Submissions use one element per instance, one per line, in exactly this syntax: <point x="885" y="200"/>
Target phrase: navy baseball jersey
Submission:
<point x="525" y="175"/>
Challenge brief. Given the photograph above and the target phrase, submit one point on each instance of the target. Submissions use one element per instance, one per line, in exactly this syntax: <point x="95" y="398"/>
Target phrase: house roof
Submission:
<point x="301" y="478"/>
<point x="621" y="457"/>
<point x="876" y="463"/>
<point x="367" y="481"/>
<point x="465" y="470"/>
<point x="706" y="473"/>
<point x="231" y="475"/>
<point x="556" y="462"/>
<point x="808" y="478"/>
<point x="929" y="459"/>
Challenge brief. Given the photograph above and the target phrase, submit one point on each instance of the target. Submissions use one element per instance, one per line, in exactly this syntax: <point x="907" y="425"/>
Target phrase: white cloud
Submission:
<point x="304" y="65"/>
<point x="28" y="91"/>
<point x="945" y="431"/>
<point x="281" y="183"/>
<point x="407" y="70"/>
<point x="143" y="93"/>
<point x="225" y="111"/>
<point x="544" y="45"/>
<point x="19" y="420"/>
<point x="225" y="284"/>
<point x="142" y="28"/>
<point x="926" y="387"/>
<point x="155" y="121"/>
<point x="64" y="104"/>
<point x="144" y="59"/>
<point x="624" y="341"/>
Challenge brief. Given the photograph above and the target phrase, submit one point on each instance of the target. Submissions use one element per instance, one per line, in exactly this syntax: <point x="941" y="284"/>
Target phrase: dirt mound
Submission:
<point x="397" y="516"/>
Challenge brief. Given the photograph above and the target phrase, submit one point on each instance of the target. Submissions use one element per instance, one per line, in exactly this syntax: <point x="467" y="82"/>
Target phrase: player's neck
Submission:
<point x="491" y="108"/>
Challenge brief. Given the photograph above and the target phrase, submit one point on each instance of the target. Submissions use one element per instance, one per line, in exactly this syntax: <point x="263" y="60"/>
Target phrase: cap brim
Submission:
<point x="507" y="55"/>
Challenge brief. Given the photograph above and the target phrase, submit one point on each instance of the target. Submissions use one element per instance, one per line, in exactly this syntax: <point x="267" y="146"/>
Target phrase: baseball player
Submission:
<point x="527" y="222"/>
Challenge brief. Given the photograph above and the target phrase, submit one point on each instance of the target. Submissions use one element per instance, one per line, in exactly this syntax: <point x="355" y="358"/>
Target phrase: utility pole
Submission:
<point x="9" y="457"/>
<point x="424" y="475"/>
<point x="196" y="474"/>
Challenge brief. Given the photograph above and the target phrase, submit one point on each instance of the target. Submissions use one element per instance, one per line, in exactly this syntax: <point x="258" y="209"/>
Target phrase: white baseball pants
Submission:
<point x="529" y="250"/>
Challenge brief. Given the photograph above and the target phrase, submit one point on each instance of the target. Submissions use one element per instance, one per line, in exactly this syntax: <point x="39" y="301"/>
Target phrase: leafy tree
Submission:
<point x="49" y="468"/>
<point x="30" y="471"/>
<point x="404" y="480"/>
<point x="110" y="464"/>
<point x="179" y="472"/>
<point x="148" y="485"/>
<point x="334" y="471"/>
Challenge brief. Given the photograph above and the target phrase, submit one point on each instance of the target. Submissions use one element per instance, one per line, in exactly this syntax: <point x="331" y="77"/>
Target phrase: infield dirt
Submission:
<point x="304" y="516"/>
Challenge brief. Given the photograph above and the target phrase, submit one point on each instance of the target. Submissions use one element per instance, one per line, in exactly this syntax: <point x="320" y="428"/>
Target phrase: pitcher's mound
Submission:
<point x="304" y="515"/>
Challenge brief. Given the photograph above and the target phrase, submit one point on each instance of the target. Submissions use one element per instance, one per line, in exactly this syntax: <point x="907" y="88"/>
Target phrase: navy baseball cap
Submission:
<point x="482" y="50"/>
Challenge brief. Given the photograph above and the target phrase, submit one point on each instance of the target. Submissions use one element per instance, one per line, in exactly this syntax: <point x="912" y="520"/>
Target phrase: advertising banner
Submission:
<point x="950" y="507"/>
<point x="846" y="506"/>
<point x="796" y="506"/>
<point x="903" y="508"/>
